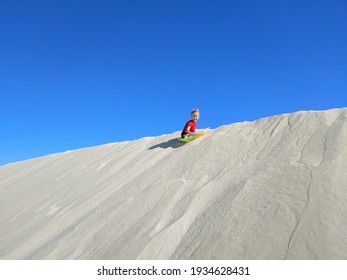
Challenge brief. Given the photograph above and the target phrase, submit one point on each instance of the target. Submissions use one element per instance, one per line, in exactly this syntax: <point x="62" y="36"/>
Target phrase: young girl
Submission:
<point x="189" y="128"/>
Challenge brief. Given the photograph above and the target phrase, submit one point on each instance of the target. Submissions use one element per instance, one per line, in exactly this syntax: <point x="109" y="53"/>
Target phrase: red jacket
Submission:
<point x="192" y="125"/>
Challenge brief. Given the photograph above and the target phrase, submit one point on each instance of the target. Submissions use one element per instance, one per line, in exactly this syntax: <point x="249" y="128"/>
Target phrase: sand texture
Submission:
<point x="275" y="188"/>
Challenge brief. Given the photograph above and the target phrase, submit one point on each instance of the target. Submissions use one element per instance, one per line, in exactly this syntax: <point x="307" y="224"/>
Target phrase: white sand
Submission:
<point x="275" y="188"/>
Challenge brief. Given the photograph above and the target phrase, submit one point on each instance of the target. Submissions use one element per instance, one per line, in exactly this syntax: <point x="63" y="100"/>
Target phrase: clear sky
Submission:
<point x="76" y="74"/>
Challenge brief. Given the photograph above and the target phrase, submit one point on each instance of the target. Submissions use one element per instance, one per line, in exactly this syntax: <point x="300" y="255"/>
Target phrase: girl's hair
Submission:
<point x="195" y="111"/>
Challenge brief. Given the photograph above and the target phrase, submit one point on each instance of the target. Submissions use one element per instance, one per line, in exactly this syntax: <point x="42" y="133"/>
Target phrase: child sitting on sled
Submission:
<point x="189" y="128"/>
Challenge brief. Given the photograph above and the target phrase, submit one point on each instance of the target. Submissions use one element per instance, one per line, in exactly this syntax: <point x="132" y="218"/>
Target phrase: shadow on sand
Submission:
<point x="172" y="143"/>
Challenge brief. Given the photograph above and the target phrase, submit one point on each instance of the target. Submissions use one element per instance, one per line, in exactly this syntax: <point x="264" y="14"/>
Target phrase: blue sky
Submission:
<point x="75" y="74"/>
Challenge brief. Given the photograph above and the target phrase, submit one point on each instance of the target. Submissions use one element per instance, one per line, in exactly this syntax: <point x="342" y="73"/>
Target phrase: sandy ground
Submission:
<point x="275" y="188"/>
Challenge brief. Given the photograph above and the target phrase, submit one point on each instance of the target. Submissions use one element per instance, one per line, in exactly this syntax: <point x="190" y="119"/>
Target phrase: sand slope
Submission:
<point x="275" y="188"/>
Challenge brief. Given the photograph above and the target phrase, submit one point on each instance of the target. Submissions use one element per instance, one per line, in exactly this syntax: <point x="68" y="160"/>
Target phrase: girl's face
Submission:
<point x="195" y="117"/>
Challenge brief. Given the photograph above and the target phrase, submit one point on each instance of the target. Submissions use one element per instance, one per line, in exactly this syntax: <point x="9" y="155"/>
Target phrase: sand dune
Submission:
<point x="275" y="188"/>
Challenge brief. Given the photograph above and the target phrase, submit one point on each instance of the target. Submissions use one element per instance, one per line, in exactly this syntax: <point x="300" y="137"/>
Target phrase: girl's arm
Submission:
<point x="189" y="132"/>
